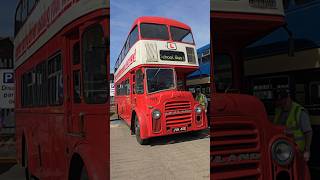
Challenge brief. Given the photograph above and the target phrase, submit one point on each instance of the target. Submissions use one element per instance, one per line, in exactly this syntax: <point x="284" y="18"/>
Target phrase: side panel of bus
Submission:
<point x="55" y="139"/>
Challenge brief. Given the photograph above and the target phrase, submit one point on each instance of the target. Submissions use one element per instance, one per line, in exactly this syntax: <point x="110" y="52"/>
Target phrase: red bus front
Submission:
<point x="150" y="80"/>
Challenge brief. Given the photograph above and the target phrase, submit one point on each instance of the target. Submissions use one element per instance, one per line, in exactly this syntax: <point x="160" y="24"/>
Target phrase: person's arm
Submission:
<point x="307" y="131"/>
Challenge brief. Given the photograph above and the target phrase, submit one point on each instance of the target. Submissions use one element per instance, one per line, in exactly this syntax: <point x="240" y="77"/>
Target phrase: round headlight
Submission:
<point x="156" y="114"/>
<point x="282" y="152"/>
<point x="198" y="110"/>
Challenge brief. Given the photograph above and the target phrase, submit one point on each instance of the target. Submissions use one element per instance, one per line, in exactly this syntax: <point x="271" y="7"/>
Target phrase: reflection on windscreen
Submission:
<point x="159" y="79"/>
<point x="154" y="31"/>
<point x="181" y="35"/>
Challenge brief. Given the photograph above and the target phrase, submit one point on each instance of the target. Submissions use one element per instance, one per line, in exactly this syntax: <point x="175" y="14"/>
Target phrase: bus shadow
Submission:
<point x="4" y="167"/>
<point x="179" y="138"/>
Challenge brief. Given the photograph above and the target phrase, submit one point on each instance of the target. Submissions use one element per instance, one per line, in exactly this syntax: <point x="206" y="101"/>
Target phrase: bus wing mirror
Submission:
<point x="291" y="47"/>
<point x="290" y="41"/>
<point x="107" y="41"/>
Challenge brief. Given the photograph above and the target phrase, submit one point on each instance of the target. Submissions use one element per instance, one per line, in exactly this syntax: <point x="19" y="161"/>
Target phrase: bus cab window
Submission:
<point x="315" y="93"/>
<point x="139" y="82"/>
<point x="222" y="72"/>
<point x="94" y="66"/>
<point x="159" y="79"/>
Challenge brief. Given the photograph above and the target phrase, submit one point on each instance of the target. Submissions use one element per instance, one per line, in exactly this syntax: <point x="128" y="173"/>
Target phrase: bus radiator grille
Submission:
<point x="235" y="150"/>
<point x="178" y="113"/>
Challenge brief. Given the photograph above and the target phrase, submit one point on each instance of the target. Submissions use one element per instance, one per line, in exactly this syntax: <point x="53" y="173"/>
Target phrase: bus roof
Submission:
<point x="159" y="20"/>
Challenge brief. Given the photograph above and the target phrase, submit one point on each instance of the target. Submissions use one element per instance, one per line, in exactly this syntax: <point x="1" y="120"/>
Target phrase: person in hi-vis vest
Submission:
<point x="295" y="118"/>
<point x="202" y="99"/>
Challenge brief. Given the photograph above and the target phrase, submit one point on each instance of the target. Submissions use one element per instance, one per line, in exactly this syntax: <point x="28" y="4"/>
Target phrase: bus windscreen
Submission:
<point x="154" y="31"/>
<point x="159" y="79"/>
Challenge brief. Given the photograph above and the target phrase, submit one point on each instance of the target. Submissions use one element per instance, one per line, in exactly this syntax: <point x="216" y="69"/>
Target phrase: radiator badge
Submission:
<point x="233" y="158"/>
<point x="178" y="112"/>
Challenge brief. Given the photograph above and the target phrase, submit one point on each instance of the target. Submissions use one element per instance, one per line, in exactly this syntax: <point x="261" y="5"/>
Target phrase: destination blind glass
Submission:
<point x="172" y="55"/>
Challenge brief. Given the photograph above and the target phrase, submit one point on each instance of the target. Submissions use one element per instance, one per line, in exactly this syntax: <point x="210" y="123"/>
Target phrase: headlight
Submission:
<point x="282" y="152"/>
<point x="156" y="114"/>
<point x="198" y="110"/>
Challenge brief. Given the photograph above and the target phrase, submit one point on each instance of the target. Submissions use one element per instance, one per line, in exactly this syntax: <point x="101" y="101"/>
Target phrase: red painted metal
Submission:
<point x="142" y="105"/>
<point x="239" y="123"/>
<point x="165" y="101"/>
<point x="53" y="135"/>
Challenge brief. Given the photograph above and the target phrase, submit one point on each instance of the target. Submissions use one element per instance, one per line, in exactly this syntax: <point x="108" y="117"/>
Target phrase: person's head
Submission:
<point x="282" y="98"/>
<point x="198" y="91"/>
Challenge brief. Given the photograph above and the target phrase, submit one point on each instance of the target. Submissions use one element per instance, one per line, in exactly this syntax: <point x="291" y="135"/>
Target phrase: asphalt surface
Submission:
<point x="181" y="156"/>
<point x="11" y="172"/>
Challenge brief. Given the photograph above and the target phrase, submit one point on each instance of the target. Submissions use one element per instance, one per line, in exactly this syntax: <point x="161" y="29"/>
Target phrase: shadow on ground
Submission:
<point x="4" y="167"/>
<point x="170" y="139"/>
<point x="179" y="138"/>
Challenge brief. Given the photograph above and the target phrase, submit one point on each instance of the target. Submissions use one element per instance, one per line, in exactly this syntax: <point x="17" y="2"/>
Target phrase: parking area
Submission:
<point x="9" y="170"/>
<point x="181" y="156"/>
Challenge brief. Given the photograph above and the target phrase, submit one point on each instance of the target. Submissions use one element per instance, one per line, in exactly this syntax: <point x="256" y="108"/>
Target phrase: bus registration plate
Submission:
<point x="179" y="129"/>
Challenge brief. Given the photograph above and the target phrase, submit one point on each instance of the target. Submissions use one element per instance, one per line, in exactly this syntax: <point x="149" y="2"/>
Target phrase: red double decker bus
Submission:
<point x="244" y="143"/>
<point x="62" y="105"/>
<point x="150" y="76"/>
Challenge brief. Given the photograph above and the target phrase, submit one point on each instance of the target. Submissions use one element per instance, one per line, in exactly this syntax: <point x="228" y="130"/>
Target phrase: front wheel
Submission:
<point x="137" y="131"/>
<point x="26" y="164"/>
<point x="84" y="174"/>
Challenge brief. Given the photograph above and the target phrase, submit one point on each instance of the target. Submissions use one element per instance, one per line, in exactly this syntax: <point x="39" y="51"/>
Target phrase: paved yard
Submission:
<point x="182" y="156"/>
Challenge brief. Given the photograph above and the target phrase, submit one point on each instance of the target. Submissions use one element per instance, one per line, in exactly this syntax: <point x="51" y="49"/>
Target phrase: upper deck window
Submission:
<point x="181" y="35"/>
<point x="154" y="31"/>
<point x="24" y="9"/>
<point x="134" y="36"/>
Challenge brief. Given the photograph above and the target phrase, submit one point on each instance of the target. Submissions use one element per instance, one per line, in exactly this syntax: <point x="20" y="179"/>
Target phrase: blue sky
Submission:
<point x="195" y="13"/>
<point x="7" y="11"/>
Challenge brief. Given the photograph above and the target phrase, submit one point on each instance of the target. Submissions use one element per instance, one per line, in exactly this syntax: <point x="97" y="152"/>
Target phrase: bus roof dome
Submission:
<point x="159" y="20"/>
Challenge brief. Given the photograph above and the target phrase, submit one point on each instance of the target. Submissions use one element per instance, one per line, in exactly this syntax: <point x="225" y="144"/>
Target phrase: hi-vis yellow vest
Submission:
<point x="201" y="99"/>
<point x="292" y="123"/>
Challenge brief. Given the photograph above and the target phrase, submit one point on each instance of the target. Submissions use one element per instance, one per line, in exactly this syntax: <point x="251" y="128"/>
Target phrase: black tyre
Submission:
<point x="26" y="164"/>
<point x="137" y="132"/>
<point x="84" y="174"/>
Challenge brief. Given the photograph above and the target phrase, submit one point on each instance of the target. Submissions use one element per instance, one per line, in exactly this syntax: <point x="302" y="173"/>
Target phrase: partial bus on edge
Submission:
<point x="150" y="79"/>
<point x="62" y="105"/>
<point x="244" y="143"/>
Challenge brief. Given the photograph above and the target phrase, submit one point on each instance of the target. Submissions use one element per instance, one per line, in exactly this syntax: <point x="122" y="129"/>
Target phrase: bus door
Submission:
<point x="133" y="99"/>
<point x="137" y="88"/>
<point x="88" y="86"/>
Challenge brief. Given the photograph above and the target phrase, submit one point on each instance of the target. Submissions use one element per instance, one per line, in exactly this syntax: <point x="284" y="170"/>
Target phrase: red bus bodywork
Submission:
<point x="61" y="141"/>
<point x="177" y="107"/>
<point x="241" y="134"/>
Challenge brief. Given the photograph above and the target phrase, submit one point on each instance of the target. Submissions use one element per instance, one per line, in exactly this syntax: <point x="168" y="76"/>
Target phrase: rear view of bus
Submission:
<point x="150" y="76"/>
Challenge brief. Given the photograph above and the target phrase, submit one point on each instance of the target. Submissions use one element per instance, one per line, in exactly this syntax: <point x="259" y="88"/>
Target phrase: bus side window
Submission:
<point x="76" y="53"/>
<point x="133" y="84"/>
<point x="94" y="66"/>
<point x="76" y="86"/>
<point x="139" y="82"/>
